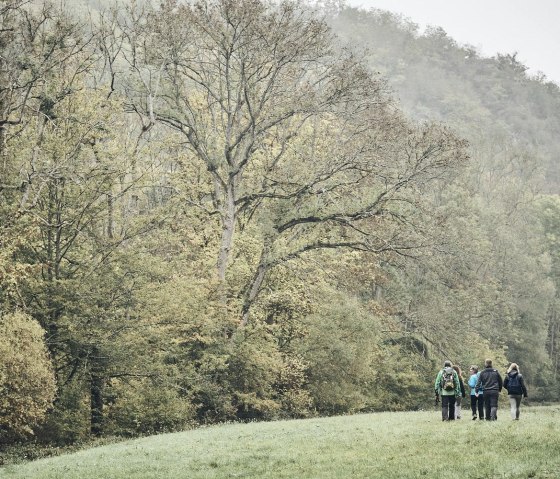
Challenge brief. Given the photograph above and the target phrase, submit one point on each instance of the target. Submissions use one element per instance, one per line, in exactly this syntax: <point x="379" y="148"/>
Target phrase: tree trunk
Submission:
<point x="110" y="216"/>
<point x="97" y="382"/>
<point x="96" y="405"/>
<point x="228" y="229"/>
<point x="255" y="287"/>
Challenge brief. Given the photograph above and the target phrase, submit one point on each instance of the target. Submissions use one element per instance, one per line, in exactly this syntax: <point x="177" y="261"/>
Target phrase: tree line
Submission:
<point x="216" y="211"/>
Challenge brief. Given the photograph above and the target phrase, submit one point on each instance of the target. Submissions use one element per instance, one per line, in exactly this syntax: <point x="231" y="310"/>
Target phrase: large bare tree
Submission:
<point x="295" y="134"/>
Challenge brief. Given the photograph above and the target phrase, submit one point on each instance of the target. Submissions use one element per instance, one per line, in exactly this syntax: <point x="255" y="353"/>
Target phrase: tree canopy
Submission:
<point x="221" y="210"/>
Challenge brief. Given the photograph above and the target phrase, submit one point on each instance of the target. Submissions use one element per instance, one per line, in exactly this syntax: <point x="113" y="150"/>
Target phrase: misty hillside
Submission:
<point x="436" y="78"/>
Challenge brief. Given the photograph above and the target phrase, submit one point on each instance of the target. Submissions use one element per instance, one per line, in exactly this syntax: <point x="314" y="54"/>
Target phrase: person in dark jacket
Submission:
<point x="491" y="383"/>
<point x="459" y="399"/>
<point x="515" y="386"/>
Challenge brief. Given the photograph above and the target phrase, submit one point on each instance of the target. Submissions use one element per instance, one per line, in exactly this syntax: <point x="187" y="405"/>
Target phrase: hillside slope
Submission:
<point x="386" y="445"/>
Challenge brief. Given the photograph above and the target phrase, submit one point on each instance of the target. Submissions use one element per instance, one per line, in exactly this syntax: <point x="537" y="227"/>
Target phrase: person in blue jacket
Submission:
<point x="477" y="401"/>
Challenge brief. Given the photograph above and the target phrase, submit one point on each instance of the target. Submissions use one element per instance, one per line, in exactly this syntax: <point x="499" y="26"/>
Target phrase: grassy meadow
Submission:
<point x="382" y="445"/>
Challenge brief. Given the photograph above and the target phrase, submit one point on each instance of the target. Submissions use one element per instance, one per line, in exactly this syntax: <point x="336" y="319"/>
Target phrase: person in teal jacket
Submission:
<point x="448" y="388"/>
<point x="477" y="402"/>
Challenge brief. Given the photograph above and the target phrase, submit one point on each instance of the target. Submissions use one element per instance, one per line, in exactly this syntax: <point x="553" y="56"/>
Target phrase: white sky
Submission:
<point x="529" y="27"/>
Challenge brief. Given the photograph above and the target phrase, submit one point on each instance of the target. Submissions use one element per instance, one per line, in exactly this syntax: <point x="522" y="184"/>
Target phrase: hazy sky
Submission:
<point x="529" y="27"/>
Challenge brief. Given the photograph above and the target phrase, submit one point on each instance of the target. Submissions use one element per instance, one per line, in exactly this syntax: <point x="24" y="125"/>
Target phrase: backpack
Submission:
<point x="514" y="385"/>
<point x="447" y="379"/>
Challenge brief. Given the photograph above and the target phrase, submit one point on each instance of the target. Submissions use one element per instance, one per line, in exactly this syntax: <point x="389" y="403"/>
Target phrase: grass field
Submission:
<point x="383" y="445"/>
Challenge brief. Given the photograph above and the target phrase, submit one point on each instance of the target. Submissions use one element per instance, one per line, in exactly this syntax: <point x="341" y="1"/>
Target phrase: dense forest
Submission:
<point x="248" y="210"/>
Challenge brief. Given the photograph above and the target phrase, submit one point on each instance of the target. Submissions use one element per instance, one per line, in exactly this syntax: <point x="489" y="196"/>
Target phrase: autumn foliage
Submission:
<point x="27" y="386"/>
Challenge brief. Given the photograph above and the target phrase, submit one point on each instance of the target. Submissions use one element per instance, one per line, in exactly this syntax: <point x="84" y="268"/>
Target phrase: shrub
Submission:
<point x="141" y="406"/>
<point x="27" y="384"/>
<point x="69" y="420"/>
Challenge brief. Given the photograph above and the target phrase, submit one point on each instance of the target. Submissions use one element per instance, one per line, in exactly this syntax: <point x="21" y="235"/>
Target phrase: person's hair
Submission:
<point x="474" y="368"/>
<point x="513" y="367"/>
<point x="447" y="363"/>
<point x="488" y="363"/>
<point x="458" y="369"/>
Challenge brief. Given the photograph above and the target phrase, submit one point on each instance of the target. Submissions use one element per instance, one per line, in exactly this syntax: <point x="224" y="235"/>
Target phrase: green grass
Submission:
<point x="384" y="445"/>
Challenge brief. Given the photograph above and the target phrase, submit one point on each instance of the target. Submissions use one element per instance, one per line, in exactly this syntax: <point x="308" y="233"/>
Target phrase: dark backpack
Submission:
<point x="514" y="385"/>
<point x="447" y="379"/>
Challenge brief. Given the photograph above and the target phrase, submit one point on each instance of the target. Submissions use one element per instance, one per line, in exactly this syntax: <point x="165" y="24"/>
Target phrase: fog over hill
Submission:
<point x="499" y="26"/>
<point x="436" y="78"/>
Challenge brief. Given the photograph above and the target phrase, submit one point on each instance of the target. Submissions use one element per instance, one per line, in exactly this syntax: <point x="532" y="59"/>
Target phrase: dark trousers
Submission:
<point x="448" y="408"/>
<point x="477" y="404"/>
<point x="491" y="405"/>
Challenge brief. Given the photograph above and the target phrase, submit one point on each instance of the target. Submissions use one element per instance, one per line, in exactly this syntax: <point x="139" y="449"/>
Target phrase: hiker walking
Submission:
<point x="515" y="386"/>
<point x="447" y="388"/>
<point x="459" y="399"/>
<point x="477" y="403"/>
<point x="491" y="383"/>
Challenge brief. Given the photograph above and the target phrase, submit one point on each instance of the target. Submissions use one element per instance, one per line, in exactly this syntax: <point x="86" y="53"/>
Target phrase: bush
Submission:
<point x="69" y="420"/>
<point x="141" y="406"/>
<point x="27" y="384"/>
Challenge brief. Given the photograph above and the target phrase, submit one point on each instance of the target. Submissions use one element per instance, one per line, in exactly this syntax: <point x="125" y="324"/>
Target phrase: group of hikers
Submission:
<point x="485" y="387"/>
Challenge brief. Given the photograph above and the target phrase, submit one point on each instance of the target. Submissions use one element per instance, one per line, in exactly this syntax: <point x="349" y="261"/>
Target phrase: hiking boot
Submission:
<point x="474" y="418"/>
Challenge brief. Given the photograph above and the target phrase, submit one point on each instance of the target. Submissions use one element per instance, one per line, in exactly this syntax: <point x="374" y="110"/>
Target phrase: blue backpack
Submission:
<point x="514" y="385"/>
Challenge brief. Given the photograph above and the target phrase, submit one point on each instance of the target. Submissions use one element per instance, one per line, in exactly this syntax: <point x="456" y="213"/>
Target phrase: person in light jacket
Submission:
<point x="459" y="399"/>
<point x="477" y="400"/>
<point x="515" y="386"/>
